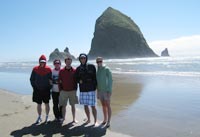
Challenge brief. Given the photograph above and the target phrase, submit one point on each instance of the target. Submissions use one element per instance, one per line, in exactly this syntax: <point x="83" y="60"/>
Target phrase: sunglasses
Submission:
<point x="99" y="61"/>
<point x="56" y="63"/>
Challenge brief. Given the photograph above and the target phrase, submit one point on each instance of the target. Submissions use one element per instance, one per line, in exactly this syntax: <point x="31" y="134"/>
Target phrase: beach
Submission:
<point x="18" y="114"/>
<point x="143" y="106"/>
<point x="150" y="98"/>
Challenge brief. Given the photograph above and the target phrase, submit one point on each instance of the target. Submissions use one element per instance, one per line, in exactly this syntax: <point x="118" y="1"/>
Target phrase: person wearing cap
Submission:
<point x="104" y="89"/>
<point x="86" y="78"/>
<point x="68" y="88"/>
<point x="55" y="89"/>
<point x="40" y="81"/>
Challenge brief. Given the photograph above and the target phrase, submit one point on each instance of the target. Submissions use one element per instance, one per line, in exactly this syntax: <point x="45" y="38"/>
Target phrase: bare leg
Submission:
<point x="39" y="111"/>
<point x="63" y="112"/>
<point x="47" y="109"/>
<point x="109" y="112"/>
<point x="87" y="112"/>
<point x="94" y="112"/>
<point x="74" y="113"/>
<point x="104" y="108"/>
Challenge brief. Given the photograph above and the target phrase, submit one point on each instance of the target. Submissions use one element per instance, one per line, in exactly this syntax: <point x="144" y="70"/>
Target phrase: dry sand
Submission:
<point x="18" y="114"/>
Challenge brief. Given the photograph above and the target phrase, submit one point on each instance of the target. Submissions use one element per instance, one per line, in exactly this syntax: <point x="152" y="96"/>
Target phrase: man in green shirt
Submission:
<point x="104" y="89"/>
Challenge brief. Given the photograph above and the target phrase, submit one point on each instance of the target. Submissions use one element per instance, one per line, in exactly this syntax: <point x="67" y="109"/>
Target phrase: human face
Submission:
<point x="83" y="60"/>
<point x="68" y="62"/>
<point x="42" y="64"/>
<point x="99" y="62"/>
<point x="57" y="65"/>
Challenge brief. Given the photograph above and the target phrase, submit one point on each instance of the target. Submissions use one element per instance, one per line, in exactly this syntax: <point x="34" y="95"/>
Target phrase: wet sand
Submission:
<point x="156" y="106"/>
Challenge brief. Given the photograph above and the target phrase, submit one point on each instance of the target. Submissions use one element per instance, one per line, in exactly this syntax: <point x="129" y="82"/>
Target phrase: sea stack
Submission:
<point x="165" y="53"/>
<point x="117" y="36"/>
<point x="56" y="54"/>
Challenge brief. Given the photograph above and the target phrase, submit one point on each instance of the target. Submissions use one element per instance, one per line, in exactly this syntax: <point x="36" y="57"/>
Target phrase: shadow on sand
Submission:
<point x="68" y="130"/>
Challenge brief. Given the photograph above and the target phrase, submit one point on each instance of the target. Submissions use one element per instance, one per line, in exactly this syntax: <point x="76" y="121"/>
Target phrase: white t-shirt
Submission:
<point x="55" y="75"/>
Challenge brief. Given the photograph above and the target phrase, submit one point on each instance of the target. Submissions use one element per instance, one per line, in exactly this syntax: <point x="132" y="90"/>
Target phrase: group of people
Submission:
<point x="62" y="83"/>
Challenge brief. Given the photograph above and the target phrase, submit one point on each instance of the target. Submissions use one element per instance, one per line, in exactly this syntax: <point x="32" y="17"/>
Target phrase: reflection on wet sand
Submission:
<point x="125" y="92"/>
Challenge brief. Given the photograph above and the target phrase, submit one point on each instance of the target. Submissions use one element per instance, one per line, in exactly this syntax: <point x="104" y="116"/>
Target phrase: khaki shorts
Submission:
<point x="104" y="96"/>
<point x="68" y="95"/>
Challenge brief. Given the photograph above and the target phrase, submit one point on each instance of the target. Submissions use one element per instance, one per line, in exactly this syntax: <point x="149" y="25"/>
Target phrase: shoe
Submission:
<point x="47" y="119"/>
<point x="39" y="120"/>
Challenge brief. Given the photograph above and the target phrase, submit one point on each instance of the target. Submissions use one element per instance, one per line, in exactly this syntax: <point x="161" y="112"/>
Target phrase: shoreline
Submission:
<point x="142" y="106"/>
<point x="18" y="113"/>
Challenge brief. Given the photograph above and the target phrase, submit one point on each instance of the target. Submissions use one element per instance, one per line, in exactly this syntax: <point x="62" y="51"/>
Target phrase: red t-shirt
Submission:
<point x="67" y="79"/>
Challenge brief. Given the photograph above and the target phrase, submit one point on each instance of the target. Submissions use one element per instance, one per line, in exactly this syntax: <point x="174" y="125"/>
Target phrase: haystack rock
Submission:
<point x="117" y="36"/>
<point x="165" y="53"/>
<point x="56" y="54"/>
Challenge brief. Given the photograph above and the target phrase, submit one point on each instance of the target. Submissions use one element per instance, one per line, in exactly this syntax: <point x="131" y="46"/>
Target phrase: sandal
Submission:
<point x="108" y="125"/>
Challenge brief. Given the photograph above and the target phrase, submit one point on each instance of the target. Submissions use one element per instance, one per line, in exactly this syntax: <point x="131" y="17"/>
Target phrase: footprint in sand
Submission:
<point x="27" y="107"/>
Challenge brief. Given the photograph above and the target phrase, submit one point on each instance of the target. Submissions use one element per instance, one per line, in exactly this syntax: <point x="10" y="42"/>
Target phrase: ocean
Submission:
<point x="152" y="97"/>
<point x="14" y="76"/>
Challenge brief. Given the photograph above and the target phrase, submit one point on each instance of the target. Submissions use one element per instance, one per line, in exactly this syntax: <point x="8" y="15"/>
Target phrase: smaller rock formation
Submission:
<point x="165" y="53"/>
<point x="56" y="54"/>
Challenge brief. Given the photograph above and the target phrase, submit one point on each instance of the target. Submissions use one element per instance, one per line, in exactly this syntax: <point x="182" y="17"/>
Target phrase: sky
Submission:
<point x="29" y="28"/>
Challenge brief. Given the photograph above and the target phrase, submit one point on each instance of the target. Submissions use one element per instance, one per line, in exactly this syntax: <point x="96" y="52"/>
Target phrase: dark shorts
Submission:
<point x="41" y="96"/>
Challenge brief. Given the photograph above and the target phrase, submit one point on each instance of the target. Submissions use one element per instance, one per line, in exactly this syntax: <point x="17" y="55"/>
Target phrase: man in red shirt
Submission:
<point x="68" y="87"/>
